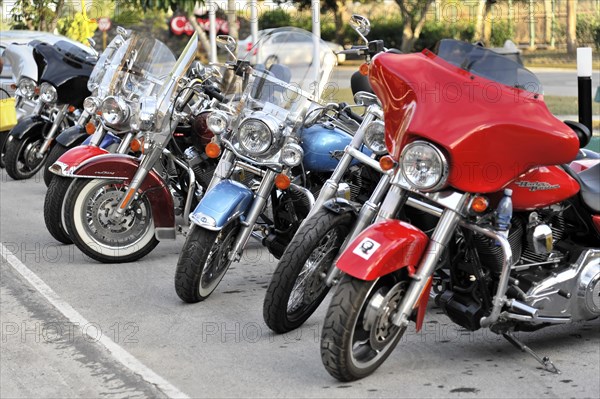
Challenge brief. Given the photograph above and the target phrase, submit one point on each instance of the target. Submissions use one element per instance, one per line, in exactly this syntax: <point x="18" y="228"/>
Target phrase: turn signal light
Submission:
<point x="364" y="69"/>
<point x="282" y="181"/>
<point x="479" y="204"/>
<point x="13" y="86"/>
<point x="90" y="128"/>
<point x="135" y="145"/>
<point x="387" y="162"/>
<point x="36" y="90"/>
<point x="213" y="150"/>
<point x="71" y="109"/>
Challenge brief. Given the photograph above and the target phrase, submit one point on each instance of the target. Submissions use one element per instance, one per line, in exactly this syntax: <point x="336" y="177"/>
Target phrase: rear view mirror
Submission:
<point x="228" y="43"/>
<point x="361" y="25"/>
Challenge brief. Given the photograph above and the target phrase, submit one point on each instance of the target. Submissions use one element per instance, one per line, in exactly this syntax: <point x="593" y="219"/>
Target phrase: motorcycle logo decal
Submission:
<point x="537" y="185"/>
<point x="366" y="248"/>
<point x="104" y="172"/>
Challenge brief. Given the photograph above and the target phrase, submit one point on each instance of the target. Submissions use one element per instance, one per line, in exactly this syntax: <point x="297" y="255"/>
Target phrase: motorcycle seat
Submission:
<point x="589" y="180"/>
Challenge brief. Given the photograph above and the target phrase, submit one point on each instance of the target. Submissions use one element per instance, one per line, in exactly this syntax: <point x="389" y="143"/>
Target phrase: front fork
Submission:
<point x="365" y="217"/>
<point x="50" y="136"/>
<point x="444" y="231"/>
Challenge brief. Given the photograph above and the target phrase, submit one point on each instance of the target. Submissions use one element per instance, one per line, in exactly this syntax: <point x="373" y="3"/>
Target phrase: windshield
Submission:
<point x="488" y="64"/>
<point x="104" y="61"/>
<point x="290" y="70"/>
<point x="137" y="69"/>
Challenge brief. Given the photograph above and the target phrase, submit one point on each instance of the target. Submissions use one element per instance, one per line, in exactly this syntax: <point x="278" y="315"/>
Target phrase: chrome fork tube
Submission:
<point x="260" y="200"/>
<point x="329" y="189"/>
<point x="441" y="236"/>
<point x="124" y="146"/>
<point x="365" y="217"/>
<point x="57" y="121"/>
<point x="146" y="165"/>
<point x="83" y="118"/>
<point x="222" y="170"/>
<point x="38" y="108"/>
<point x="97" y="137"/>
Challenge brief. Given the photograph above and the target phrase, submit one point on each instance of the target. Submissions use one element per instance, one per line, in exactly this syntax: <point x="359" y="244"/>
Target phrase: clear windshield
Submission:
<point x="104" y="61"/>
<point x="138" y="69"/>
<point x="291" y="68"/>
<point x="488" y="64"/>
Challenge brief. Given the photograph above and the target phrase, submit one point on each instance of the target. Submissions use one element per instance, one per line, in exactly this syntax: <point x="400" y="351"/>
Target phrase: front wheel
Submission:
<point x="298" y="286"/>
<point x="53" y="208"/>
<point x="358" y="334"/>
<point x="203" y="262"/>
<point x="88" y="213"/>
<point x="21" y="156"/>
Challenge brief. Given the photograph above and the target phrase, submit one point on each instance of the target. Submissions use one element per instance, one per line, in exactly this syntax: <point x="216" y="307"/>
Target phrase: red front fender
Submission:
<point x="123" y="167"/>
<point x="384" y="248"/>
<point x="73" y="158"/>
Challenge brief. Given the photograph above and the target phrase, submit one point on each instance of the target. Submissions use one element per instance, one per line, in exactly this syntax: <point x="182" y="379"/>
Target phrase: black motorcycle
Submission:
<point x="63" y="87"/>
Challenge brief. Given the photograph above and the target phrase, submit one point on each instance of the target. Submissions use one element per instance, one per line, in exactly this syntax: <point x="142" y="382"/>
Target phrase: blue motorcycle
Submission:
<point x="271" y="164"/>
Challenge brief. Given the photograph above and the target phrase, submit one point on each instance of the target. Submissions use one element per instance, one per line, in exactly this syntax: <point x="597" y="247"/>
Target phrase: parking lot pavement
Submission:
<point x="221" y="347"/>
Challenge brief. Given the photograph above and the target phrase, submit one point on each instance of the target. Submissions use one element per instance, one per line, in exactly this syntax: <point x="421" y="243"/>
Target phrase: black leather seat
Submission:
<point x="590" y="187"/>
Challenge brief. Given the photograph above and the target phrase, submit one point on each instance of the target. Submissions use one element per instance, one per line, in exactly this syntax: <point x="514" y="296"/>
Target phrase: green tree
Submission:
<point x="37" y="14"/>
<point x="414" y="14"/>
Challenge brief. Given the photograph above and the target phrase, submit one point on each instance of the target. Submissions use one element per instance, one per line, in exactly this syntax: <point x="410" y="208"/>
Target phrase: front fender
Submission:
<point x="384" y="248"/>
<point x="226" y="201"/>
<point x="29" y="126"/>
<point x="73" y="135"/>
<point x="68" y="163"/>
<point x="123" y="167"/>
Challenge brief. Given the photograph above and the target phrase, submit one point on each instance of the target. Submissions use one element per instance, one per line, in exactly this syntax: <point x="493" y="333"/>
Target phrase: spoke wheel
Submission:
<point x="298" y="286"/>
<point x="203" y="262"/>
<point x="90" y="222"/>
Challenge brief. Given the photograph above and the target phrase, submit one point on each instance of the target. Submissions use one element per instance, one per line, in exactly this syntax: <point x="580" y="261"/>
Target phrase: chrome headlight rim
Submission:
<point x="122" y="114"/>
<point x="27" y="88"/>
<point x="443" y="174"/>
<point x="48" y="93"/>
<point x="374" y="137"/>
<point x="270" y="124"/>
<point x="91" y="104"/>
<point x="218" y="122"/>
<point x="292" y="154"/>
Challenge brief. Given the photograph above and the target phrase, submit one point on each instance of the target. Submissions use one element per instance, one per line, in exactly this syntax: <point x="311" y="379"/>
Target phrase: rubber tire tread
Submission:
<point x="12" y="151"/>
<point x="53" y="205"/>
<point x="343" y="311"/>
<point x="56" y="152"/>
<point x="290" y="265"/>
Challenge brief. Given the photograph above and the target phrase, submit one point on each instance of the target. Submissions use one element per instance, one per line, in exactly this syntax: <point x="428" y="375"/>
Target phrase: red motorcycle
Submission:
<point x="483" y="194"/>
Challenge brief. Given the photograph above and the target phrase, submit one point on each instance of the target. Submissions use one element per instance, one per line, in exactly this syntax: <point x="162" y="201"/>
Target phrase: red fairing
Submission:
<point x="492" y="133"/>
<point x="541" y="187"/>
<point x="78" y="155"/>
<point x="119" y="166"/>
<point x="382" y="249"/>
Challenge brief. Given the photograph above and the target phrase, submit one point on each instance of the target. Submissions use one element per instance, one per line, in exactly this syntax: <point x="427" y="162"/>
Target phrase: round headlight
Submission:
<point x="424" y="166"/>
<point x="48" y="93"/>
<point x="27" y="88"/>
<point x="254" y="136"/>
<point x="292" y="154"/>
<point x="91" y="105"/>
<point x="374" y="137"/>
<point x="217" y="122"/>
<point x="114" y="110"/>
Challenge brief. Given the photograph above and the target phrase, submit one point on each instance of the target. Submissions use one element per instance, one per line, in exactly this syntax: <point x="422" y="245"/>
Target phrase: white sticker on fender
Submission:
<point x="366" y="248"/>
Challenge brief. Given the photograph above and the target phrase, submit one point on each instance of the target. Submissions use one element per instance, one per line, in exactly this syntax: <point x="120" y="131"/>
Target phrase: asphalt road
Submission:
<point x="556" y="82"/>
<point x="222" y="348"/>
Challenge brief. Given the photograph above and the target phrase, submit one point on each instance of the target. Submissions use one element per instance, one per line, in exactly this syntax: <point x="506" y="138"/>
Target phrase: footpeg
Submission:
<point x="545" y="361"/>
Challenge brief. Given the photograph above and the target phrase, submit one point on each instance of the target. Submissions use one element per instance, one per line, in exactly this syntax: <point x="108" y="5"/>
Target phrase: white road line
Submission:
<point x="117" y="352"/>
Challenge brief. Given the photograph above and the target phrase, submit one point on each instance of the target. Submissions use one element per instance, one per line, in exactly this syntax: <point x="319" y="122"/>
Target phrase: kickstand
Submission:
<point x="545" y="361"/>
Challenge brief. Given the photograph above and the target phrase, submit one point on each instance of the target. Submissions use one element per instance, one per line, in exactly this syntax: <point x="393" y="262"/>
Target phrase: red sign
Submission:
<point x="104" y="24"/>
<point x="180" y="25"/>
